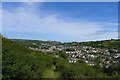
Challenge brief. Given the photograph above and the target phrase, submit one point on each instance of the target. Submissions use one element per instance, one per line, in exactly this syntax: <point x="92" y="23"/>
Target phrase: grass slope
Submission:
<point x="50" y="73"/>
<point x="20" y="62"/>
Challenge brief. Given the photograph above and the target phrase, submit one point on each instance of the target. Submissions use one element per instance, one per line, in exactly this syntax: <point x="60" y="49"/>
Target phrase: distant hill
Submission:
<point x="26" y="42"/>
<point x="109" y="44"/>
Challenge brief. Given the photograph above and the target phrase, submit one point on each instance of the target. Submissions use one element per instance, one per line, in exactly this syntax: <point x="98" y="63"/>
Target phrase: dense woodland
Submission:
<point x="21" y="62"/>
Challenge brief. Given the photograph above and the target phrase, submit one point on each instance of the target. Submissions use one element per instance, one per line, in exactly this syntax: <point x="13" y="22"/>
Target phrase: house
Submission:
<point x="117" y="55"/>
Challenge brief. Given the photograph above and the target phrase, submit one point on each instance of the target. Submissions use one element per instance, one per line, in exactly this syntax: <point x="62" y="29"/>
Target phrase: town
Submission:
<point x="90" y="55"/>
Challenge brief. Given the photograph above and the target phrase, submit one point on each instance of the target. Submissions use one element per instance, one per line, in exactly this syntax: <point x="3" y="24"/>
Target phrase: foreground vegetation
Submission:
<point x="21" y="62"/>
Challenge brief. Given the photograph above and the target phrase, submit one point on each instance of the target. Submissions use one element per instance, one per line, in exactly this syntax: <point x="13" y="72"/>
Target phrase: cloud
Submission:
<point x="23" y="0"/>
<point x="26" y="18"/>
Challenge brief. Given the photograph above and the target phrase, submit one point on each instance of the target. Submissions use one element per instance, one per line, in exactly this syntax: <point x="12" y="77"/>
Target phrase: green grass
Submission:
<point x="50" y="73"/>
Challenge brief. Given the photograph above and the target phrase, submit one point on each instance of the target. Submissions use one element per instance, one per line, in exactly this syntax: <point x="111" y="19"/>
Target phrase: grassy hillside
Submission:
<point x="21" y="62"/>
<point x="29" y="42"/>
<point x="109" y="44"/>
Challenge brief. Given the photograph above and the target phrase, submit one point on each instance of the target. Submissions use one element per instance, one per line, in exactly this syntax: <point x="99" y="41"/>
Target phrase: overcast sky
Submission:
<point x="62" y="21"/>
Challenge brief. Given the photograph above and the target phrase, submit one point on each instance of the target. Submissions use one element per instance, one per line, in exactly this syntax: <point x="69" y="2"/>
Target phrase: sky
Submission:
<point x="60" y="21"/>
<point x="60" y="0"/>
